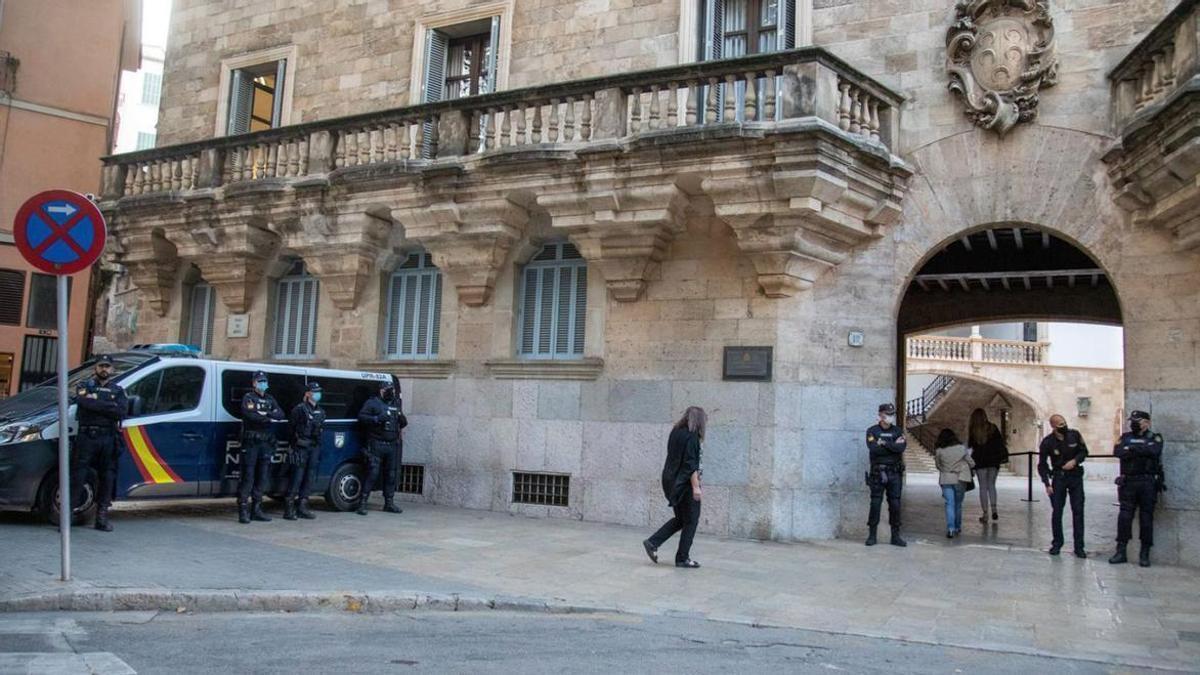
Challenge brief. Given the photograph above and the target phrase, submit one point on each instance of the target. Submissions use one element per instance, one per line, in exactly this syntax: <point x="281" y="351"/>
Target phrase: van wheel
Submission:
<point x="48" y="500"/>
<point x="345" y="487"/>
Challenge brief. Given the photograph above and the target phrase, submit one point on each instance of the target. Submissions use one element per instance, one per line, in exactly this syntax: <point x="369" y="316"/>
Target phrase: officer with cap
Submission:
<point x="100" y="405"/>
<point x="886" y="444"/>
<point x="1140" y="451"/>
<point x="1060" y="466"/>
<point x="259" y="410"/>
<point x="383" y="420"/>
<point x="308" y="421"/>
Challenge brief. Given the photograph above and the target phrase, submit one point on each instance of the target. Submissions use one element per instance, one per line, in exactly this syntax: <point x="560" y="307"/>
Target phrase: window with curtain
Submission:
<point x="414" y="309"/>
<point x="733" y="28"/>
<point x="467" y="60"/>
<point x="201" y="309"/>
<point x="553" y="304"/>
<point x="296" y="314"/>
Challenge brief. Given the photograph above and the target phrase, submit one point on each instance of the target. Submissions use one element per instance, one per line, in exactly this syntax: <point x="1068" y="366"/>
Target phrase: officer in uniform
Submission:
<point x="259" y="409"/>
<point x="1060" y="466"/>
<point x="383" y="421"/>
<point x="100" y="405"/>
<point x="886" y="444"/>
<point x="1140" y="452"/>
<point x="308" y="421"/>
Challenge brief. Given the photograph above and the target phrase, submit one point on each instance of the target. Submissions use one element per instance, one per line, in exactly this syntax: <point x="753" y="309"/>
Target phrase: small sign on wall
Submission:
<point x="748" y="364"/>
<point x="238" y="326"/>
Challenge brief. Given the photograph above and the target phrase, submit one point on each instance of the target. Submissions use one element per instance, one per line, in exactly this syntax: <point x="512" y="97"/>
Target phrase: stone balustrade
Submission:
<point x="977" y="349"/>
<point x="1158" y="67"/>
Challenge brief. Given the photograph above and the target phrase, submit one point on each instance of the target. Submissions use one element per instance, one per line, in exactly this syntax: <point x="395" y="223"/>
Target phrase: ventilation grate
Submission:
<point x="412" y="479"/>
<point x="543" y="489"/>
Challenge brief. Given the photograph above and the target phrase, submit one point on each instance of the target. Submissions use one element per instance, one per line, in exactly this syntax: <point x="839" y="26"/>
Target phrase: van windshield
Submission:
<point x="45" y="394"/>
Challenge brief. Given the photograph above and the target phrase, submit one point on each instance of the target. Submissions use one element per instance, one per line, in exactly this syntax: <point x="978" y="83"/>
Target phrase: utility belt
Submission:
<point x="94" y="429"/>
<point x="302" y="442"/>
<point x="258" y="435"/>
<point x="882" y="473"/>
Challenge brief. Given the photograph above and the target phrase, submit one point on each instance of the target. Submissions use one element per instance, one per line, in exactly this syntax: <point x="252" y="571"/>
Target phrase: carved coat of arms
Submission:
<point x="999" y="53"/>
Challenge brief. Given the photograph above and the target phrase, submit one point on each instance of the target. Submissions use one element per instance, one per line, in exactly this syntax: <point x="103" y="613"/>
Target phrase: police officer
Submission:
<point x="101" y="405"/>
<point x="259" y="409"/>
<point x="1060" y="466"/>
<point x="308" y="421"/>
<point x="383" y="421"/>
<point x="886" y="444"/>
<point x="1140" y="452"/>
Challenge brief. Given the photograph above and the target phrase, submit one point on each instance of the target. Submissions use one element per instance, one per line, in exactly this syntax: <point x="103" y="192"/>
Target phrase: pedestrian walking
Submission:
<point x="885" y="447"/>
<point x="259" y="411"/>
<point x="954" y="466"/>
<point x="681" y="486"/>
<point x="1140" y="451"/>
<point x="308" y="423"/>
<point x="1060" y="466"/>
<point x="988" y="451"/>
<point x="383" y="420"/>
<point x="101" y="405"/>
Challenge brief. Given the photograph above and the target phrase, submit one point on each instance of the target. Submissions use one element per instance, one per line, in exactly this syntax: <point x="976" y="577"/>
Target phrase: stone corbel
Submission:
<point x="153" y="265"/>
<point x="624" y="231"/>
<point x="469" y="241"/>
<point x="341" y="250"/>
<point x="232" y="254"/>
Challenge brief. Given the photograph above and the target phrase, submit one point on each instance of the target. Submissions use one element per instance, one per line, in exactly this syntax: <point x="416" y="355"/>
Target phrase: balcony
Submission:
<point x="790" y="149"/>
<point x="1155" y="163"/>
<point x="977" y="350"/>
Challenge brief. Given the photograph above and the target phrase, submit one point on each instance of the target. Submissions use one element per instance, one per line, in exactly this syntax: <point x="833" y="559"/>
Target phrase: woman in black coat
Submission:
<point x="988" y="451"/>
<point x="681" y="486"/>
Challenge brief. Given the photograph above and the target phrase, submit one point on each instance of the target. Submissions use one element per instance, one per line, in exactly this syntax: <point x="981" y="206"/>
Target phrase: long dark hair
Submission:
<point x="980" y="429"/>
<point x="946" y="439"/>
<point x="694" y="420"/>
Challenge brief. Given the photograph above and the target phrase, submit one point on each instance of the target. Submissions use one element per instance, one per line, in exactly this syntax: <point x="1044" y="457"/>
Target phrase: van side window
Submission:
<point x="175" y="389"/>
<point x="342" y="398"/>
<point x="287" y="389"/>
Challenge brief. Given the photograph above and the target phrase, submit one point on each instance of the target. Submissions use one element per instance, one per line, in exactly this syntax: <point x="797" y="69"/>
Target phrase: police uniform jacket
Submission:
<point x="1054" y="452"/>
<point x="1139" y="453"/>
<point x="383" y="420"/>
<point x="886" y="446"/>
<point x="258" y="411"/>
<point x="100" y="405"/>
<point x="308" y="421"/>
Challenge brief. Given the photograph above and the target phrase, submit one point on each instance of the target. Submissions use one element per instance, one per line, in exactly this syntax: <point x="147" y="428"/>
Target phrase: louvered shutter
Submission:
<point x="296" y="316"/>
<point x="579" y="313"/>
<point x="277" y="110"/>
<point x="308" y="321"/>
<point x="12" y="295"/>
<point x="787" y="23"/>
<point x="241" y="96"/>
<point x="714" y="49"/>
<point x="201" y="316"/>
<point x="410" y="310"/>
<point x="554" y="304"/>
<point x="435" y="321"/>
<point x="392" y="341"/>
<point x="528" y="310"/>
<point x="414" y="309"/>
<point x="436" y="43"/>
<point x="493" y="58"/>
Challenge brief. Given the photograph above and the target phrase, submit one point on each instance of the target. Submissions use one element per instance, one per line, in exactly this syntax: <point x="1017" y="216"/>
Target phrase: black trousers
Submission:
<point x="1137" y="494"/>
<point x="889" y="481"/>
<point x="256" y="467"/>
<point x="687" y="517"/>
<point x="97" y="449"/>
<point x="383" y="458"/>
<point x="1067" y="485"/>
<point x="304" y="472"/>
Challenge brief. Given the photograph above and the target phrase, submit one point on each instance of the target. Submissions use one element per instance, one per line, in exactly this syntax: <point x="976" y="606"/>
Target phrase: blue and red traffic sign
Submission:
<point x="59" y="231"/>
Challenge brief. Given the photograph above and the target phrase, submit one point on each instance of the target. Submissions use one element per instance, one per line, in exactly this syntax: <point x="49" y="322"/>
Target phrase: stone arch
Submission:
<point x="1005" y="389"/>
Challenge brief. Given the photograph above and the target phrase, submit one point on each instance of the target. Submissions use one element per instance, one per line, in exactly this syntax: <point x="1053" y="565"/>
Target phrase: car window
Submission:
<point x="287" y="389"/>
<point x="145" y="389"/>
<point x="342" y="398"/>
<point x="174" y="389"/>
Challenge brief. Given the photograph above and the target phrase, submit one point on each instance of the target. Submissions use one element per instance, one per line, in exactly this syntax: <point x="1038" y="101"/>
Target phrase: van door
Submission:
<point x="221" y="465"/>
<point x="166" y="438"/>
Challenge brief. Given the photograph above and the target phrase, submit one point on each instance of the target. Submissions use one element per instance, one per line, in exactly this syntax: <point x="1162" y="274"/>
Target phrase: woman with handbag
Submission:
<point x="954" y="475"/>
<point x="989" y="451"/>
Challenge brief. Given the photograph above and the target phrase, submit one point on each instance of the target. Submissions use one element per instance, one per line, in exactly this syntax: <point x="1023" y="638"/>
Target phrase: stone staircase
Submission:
<point x="918" y="458"/>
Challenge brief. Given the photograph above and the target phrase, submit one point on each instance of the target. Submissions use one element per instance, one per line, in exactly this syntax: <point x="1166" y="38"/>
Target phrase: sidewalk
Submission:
<point x="987" y="595"/>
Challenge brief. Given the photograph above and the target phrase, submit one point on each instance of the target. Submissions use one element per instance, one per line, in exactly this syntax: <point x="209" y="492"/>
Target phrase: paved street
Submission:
<point x="464" y="642"/>
<point x="968" y="593"/>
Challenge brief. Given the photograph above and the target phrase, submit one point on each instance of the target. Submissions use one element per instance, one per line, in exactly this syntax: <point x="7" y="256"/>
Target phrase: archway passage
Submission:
<point x="1007" y="273"/>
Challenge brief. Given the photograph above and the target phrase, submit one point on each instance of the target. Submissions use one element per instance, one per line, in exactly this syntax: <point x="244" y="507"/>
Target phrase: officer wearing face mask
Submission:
<point x="1140" y="451"/>
<point x="308" y="422"/>
<point x="259" y="410"/>
<point x="382" y="418"/>
<point x="886" y="445"/>
<point x="100" y="407"/>
<point x="1060" y="466"/>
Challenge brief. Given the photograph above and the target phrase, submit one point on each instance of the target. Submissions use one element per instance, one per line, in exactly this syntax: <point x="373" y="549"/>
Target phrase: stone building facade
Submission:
<point x="705" y="212"/>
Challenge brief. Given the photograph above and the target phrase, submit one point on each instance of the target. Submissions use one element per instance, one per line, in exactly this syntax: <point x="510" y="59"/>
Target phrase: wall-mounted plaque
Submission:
<point x="749" y="364"/>
<point x="238" y="326"/>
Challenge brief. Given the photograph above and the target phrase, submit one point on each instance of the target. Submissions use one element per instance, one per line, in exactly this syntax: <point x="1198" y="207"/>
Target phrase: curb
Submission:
<point x="133" y="599"/>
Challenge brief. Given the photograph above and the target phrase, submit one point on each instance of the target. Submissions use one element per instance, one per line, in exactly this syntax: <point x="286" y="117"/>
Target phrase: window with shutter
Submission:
<point x="414" y="309"/>
<point x="296" y="314"/>
<point x="151" y="88"/>
<point x="200" y="317"/>
<point x="553" y="304"/>
<point x="12" y="296"/>
<point x="255" y="97"/>
<point x="733" y="28"/>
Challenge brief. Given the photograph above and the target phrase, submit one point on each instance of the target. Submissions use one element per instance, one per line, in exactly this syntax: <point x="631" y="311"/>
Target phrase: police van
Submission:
<point x="182" y="434"/>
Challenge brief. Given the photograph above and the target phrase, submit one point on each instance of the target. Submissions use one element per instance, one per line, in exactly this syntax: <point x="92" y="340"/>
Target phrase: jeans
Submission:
<point x="986" y="477"/>
<point x="687" y="517"/>
<point x="953" y="496"/>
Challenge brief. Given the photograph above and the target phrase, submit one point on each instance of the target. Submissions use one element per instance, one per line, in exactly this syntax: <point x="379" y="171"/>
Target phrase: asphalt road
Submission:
<point x="448" y="642"/>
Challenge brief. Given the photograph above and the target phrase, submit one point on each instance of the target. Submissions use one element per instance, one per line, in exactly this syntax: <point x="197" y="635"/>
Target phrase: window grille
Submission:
<point x="412" y="479"/>
<point x="544" y="489"/>
<point x="553" y="304"/>
<point x="296" y="314"/>
<point x="414" y="309"/>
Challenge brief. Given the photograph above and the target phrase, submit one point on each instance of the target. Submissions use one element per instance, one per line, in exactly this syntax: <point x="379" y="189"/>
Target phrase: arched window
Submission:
<point x="202" y="302"/>
<point x="414" y="309"/>
<point x="553" y="304"/>
<point x="296" y="313"/>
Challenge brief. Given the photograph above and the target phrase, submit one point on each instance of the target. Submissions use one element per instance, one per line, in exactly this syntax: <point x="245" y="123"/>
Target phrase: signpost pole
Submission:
<point x="64" y="432"/>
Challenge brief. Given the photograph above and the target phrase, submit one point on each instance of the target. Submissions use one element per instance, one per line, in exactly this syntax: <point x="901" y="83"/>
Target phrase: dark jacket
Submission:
<point x="100" y="405"/>
<point x="308" y="421"/>
<point x="1054" y="452"/>
<point x="683" y="459"/>
<point x="993" y="452"/>
<point x="258" y="412"/>
<point x="886" y="446"/>
<point x="1139" y="453"/>
<point x="382" y="421"/>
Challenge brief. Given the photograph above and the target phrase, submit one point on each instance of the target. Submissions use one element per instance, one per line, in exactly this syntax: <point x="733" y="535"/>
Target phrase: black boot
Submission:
<point x="103" y="525"/>
<point x="289" y="509"/>
<point x="302" y="510"/>
<point x="896" y="540"/>
<point x="1119" y="557"/>
<point x="256" y="513"/>
<point x="871" y="536"/>
<point x="362" y="506"/>
<point x="390" y="506"/>
<point x="243" y="513"/>
<point x="1144" y="556"/>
